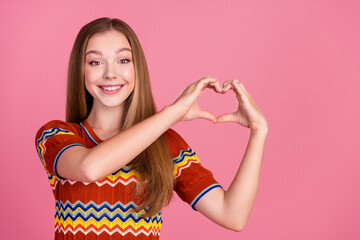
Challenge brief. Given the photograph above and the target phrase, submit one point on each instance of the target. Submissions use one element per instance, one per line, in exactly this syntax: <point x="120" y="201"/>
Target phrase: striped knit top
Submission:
<point x="105" y="209"/>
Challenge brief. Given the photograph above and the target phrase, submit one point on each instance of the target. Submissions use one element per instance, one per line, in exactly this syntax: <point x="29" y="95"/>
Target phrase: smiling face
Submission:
<point x="109" y="69"/>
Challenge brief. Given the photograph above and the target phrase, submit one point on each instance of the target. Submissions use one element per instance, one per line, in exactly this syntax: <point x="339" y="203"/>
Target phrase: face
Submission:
<point x="109" y="69"/>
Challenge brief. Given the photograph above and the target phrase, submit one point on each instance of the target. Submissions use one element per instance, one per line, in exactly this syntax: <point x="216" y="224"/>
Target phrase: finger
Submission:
<point x="216" y="86"/>
<point x="207" y="115"/>
<point x="240" y="93"/>
<point x="227" y="86"/>
<point x="209" y="82"/>
<point x="228" y="117"/>
<point x="235" y="86"/>
<point x="204" y="82"/>
<point x="243" y="88"/>
<point x="247" y="93"/>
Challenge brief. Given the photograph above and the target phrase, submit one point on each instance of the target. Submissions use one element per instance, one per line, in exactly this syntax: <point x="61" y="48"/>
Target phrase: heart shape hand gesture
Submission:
<point x="248" y="113"/>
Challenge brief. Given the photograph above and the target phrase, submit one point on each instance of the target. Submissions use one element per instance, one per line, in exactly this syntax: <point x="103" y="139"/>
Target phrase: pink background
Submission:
<point x="299" y="59"/>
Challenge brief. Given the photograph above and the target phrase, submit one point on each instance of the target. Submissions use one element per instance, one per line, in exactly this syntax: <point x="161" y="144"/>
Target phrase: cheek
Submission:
<point x="90" y="80"/>
<point x="89" y="88"/>
<point x="128" y="71"/>
<point x="88" y="74"/>
<point x="91" y="75"/>
<point x="129" y="75"/>
<point x="132" y="79"/>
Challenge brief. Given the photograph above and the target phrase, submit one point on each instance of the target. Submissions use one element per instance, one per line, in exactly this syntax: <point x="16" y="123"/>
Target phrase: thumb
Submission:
<point x="228" y="117"/>
<point x="207" y="115"/>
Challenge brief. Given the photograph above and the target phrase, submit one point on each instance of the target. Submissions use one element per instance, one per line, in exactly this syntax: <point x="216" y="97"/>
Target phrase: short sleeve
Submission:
<point x="52" y="140"/>
<point x="192" y="180"/>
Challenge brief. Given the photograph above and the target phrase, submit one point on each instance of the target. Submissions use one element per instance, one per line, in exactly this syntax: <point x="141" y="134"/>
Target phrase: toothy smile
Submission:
<point x="110" y="88"/>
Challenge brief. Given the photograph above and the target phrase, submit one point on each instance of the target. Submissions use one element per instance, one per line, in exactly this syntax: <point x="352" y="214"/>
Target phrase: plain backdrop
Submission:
<point x="299" y="60"/>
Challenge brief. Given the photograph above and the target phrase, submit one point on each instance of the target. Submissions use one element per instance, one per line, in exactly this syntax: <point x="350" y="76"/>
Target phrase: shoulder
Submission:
<point x="53" y="138"/>
<point x="175" y="142"/>
<point x="58" y="126"/>
<point x="172" y="137"/>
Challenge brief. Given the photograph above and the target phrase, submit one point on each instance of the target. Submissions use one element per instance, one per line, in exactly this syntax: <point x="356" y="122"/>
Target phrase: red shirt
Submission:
<point x="105" y="209"/>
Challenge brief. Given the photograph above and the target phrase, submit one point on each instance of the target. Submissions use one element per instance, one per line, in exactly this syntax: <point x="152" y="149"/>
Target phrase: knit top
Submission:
<point x="105" y="209"/>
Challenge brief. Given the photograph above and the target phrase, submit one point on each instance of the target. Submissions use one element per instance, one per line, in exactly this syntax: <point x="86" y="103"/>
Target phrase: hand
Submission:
<point x="187" y="105"/>
<point x="248" y="113"/>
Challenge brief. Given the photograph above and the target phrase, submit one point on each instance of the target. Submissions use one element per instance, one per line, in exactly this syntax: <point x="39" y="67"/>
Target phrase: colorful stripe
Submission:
<point x="184" y="160"/>
<point x="203" y="192"/>
<point x="121" y="218"/>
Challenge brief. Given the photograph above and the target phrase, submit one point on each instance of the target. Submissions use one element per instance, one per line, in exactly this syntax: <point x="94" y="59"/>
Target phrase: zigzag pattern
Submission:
<point x="184" y="160"/>
<point x="119" y="217"/>
<point x="41" y="148"/>
<point x="108" y="230"/>
<point x="53" y="180"/>
<point x="125" y="176"/>
<point x="124" y="211"/>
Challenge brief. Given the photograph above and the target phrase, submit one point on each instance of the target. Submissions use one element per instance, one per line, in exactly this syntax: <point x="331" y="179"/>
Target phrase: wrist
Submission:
<point x="171" y="114"/>
<point x="261" y="130"/>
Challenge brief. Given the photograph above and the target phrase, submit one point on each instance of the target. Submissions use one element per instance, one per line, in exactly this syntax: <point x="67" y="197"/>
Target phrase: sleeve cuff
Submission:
<point x="57" y="158"/>
<point x="202" y="193"/>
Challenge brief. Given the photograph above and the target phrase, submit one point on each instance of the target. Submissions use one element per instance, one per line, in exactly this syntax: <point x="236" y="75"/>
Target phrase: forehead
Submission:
<point x="108" y="40"/>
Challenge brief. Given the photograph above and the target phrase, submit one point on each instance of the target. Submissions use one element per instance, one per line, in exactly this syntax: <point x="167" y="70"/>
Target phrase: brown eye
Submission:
<point x="123" y="61"/>
<point x="94" y="63"/>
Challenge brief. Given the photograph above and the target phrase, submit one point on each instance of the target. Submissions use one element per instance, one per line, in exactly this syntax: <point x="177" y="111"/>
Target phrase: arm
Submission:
<point x="89" y="165"/>
<point x="232" y="208"/>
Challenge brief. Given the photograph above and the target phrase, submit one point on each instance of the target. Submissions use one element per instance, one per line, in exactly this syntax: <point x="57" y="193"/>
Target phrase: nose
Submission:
<point x="110" y="72"/>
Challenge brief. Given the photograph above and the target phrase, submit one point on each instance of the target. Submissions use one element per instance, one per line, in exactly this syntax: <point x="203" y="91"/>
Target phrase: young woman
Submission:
<point x="115" y="162"/>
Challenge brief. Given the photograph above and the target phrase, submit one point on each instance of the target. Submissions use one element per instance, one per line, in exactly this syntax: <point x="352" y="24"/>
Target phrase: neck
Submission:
<point x="105" y="119"/>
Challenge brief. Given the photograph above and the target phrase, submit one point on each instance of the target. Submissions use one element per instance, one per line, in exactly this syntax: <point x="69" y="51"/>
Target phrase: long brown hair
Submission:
<point x="155" y="186"/>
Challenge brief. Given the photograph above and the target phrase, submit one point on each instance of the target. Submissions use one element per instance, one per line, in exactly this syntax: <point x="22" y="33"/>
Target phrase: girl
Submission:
<point x="115" y="162"/>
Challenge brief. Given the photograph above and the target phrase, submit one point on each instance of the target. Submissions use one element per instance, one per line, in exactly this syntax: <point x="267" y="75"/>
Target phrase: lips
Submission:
<point x="110" y="89"/>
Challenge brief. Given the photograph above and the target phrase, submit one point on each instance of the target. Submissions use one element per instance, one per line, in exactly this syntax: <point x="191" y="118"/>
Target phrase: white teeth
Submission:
<point x="111" y="88"/>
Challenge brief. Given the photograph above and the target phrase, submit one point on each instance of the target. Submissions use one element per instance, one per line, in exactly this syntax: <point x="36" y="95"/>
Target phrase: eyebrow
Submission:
<point x="100" y="53"/>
